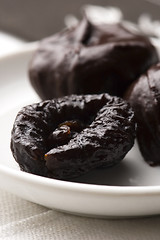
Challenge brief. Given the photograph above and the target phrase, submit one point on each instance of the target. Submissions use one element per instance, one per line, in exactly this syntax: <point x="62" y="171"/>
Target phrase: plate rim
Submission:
<point x="60" y="184"/>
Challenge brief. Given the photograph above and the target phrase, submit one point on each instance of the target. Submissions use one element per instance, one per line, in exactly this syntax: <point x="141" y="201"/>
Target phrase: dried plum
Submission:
<point x="144" y="96"/>
<point x="90" y="59"/>
<point x="66" y="137"/>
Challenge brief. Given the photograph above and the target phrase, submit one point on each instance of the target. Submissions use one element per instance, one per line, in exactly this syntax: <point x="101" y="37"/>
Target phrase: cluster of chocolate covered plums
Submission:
<point x="86" y="76"/>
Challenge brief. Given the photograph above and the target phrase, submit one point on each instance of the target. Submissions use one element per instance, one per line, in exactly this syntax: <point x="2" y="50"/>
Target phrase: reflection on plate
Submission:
<point x="130" y="189"/>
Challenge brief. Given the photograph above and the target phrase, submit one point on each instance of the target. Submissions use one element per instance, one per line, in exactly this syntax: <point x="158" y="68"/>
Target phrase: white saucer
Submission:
<point x="130" y="189"/>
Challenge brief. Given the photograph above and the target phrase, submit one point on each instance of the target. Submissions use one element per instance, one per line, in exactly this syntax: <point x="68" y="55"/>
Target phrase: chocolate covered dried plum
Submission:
<point x="66" y="137"/>
<point x="144" y="96"/>
<point x="89" y="59"/>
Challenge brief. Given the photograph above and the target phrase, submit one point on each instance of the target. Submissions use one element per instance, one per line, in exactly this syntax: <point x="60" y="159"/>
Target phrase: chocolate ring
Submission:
<point x="69" y="136"/>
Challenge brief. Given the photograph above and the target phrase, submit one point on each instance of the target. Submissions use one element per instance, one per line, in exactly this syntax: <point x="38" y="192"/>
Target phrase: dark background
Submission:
<point x="35" y="19"/>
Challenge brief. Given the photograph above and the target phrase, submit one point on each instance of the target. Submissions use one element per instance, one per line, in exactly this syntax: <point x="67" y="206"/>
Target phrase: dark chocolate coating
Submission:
<point x="144" y="96"/>
<point x="103" y="132"/>
<point x="90" y="59"/>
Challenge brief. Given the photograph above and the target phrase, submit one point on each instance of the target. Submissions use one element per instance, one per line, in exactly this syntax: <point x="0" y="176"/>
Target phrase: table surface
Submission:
<point x="20" y="219"/>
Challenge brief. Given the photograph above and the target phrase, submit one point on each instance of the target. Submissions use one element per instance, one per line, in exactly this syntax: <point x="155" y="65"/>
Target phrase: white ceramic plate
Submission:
<point x="129" y="189"/>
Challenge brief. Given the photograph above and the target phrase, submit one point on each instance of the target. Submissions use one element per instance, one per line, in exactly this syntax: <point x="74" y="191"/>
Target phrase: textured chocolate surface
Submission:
<point x="144" y="96"/>
<point x="90" y="59"/>
<point x="67" y="137"/>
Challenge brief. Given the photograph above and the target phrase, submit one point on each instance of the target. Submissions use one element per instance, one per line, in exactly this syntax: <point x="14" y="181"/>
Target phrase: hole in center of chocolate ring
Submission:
<point x="64" y="132"/>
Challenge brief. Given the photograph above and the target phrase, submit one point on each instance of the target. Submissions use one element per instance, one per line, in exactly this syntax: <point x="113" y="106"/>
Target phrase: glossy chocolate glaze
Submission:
<point x="144" y="96"/>
<point x="90" y="59"/>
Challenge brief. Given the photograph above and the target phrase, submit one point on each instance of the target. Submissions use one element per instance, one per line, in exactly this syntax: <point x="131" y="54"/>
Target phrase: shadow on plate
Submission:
<point x="120" y="175"/>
